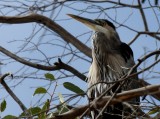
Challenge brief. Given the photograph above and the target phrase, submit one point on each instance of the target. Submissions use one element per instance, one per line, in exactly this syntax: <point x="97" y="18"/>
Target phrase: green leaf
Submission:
<point x="33" y="110"/>
<point x="46" y="105"/>
<point x="154" y="110"/>
<point x="40" y="90"/>
<point x="3" y="105"/>
<point x="9" y="117"/>
<point x="73" y="88"/>
<point x="49" y="76"/>
<point x="45" y="108"/>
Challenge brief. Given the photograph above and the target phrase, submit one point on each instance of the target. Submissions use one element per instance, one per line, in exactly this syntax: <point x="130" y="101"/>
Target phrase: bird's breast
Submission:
<point x="109" y="68"/>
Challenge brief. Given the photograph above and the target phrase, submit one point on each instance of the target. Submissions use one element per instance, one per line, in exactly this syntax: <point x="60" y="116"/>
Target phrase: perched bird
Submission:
<point x="111" y="59"/>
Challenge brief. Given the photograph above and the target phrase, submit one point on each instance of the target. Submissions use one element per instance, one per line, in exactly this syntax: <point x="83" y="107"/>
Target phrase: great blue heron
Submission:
<point x="111" y="59"/>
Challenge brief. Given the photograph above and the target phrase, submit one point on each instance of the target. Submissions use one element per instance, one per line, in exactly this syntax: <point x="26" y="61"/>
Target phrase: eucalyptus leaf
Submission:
<point x="46" y="105"/>
<point x="44" y="110"/>
<point x="40" y="90"/>
<point x="73" y="88"/>
<point x="32" y="110"/>
<point x="3" y="105"/>
<point x="9" y="117"/>
<point x="50" y="76"/>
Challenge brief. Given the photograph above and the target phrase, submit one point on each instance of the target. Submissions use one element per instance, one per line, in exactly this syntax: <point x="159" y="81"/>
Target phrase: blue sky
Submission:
<point x="18" y="33"/>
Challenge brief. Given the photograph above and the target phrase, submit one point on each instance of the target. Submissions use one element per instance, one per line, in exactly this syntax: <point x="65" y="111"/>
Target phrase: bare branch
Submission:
<point x="50" y="24"/>
<point x="152" y="34"/>
<point x="143" y="16"/>
<point x="134" y="39"/>
<point x="25" y="62"/>
<point x="58" y="65"/>
<point x="70" y="45"/>
<point x="144" y="83"/>
<point x="62" y="65"/>
<point x="22" y="106"/>
<point x="109" y="1"/>
<point x="120" y="97"/>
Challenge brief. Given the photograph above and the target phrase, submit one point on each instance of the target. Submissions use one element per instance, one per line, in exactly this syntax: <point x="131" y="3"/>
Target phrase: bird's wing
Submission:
<point x="125" y="51"/>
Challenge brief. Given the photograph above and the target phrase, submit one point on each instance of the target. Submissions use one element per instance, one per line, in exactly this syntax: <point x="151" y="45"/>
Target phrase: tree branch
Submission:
<point x="120" y="97"/>
<point x="54" y="27"/>
<point x="50" y="24"/>
<point x="143" y="16"/>
<point x="58" y="65"/>
<point x="62" y="65"/>
<point x="144" y="83"/>
<point x="22" y="106"/>
<point x="109" y="1"/>
<point x="152" y="34"/>
<point x="25" y="62"/>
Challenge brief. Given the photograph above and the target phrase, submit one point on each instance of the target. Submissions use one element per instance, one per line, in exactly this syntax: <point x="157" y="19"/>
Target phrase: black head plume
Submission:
<point x="102" y="22"/>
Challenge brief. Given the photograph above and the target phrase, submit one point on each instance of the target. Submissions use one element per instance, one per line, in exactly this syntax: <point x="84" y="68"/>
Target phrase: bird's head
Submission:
<point x="99" y="25"/>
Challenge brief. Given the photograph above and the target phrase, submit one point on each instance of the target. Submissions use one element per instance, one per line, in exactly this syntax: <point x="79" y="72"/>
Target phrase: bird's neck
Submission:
<point x="103" y="43"/>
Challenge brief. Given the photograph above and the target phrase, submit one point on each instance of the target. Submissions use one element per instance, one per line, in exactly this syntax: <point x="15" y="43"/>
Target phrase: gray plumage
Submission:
<point x="108" y="65"/>
<point x="111" y="59"/>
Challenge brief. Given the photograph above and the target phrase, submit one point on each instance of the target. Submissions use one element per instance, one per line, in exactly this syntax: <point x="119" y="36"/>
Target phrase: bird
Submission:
<point x="111" y="60"/>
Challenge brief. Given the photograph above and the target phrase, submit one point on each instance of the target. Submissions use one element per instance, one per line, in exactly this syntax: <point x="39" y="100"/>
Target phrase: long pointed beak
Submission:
<point x="88" y="22"/>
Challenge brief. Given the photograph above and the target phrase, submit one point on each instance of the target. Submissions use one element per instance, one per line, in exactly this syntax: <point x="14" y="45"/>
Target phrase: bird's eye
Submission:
<point x="100" y="22"/>
<point x="103" y="24"/>
<point x="96" y="21"/>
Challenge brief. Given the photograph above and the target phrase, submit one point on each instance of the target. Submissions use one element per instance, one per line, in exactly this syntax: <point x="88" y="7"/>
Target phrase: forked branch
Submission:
<point x="120" y="97"/>
<point x="49" y="23"/>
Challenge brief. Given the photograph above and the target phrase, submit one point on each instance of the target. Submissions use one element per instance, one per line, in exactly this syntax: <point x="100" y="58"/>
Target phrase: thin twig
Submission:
<point x="143" y="16"/>
<point x="51" y="25"/>
<point x="22" y="106"/>
<point x="120" y="97"/>
<point x="97" y="99"/>
<point x="134" y="39"/>
<point x="58" y="65"/>
<point x="114" y="94"/>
